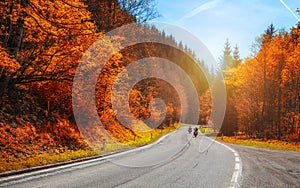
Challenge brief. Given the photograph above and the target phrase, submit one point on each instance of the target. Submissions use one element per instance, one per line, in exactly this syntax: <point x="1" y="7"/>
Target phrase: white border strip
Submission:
<point x="237" y="173"/>
<point x="236" y="178"/>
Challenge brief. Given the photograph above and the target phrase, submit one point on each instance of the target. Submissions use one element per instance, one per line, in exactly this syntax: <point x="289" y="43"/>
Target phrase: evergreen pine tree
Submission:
<point x="226" y="58"/>
<point x="236" y="59"/>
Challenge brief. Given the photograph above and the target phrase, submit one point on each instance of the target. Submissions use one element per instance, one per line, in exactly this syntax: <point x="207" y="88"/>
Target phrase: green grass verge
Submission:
<point x="43" y="159"/>
<point x="270" y="144"/>
<point x="46" y="158"/>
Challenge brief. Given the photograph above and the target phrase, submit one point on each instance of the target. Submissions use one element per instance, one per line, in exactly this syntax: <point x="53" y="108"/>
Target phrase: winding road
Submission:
<point x="177" y="160"/>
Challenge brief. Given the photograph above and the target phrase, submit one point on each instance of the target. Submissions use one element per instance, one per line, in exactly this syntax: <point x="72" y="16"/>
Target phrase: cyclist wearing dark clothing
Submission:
<point x="195" y="132"/>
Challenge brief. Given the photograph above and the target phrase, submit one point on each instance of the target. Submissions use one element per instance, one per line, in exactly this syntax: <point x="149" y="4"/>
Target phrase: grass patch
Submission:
<point x="185" y="125"/>
<point x="43" y="159"/>
<point x="150" y="137"/>
<point x="47" y="158"/>
<point x="270" y="144"/>
<point x="207" y="130"/>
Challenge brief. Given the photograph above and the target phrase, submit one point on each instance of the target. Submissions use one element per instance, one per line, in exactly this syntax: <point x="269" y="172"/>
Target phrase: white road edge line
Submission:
<point x="19" y="178"/>
<point x="236" y="178"/>
<point x="237" y="174"/>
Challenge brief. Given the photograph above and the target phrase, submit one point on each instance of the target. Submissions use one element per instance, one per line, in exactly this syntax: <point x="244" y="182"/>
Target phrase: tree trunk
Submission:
<point x="3" y="85"/>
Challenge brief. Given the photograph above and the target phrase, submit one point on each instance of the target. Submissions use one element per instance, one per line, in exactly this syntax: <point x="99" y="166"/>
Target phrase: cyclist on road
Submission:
<point x="195" y="132"/>
<point x="190" y="130"/>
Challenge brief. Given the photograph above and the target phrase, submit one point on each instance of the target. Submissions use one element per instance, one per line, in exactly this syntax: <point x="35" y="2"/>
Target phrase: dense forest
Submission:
<point x="263" y="91"/>
<point x="42" y="43"/>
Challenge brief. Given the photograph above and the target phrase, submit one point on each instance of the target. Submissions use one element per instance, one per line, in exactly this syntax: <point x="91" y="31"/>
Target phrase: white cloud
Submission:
<point x="200" y="9"/>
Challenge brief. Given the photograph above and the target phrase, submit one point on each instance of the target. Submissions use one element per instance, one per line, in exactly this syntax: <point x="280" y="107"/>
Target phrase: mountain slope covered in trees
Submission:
<point x="41" y="44"/>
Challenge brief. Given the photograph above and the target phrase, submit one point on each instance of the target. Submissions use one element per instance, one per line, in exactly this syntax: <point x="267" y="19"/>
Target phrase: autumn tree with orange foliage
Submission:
<point x="268" y="87"/>
<point x="41" y="45"/>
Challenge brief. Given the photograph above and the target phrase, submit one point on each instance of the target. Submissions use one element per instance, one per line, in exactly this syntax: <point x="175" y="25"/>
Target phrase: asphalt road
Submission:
<point x="177" y="161"/>
<point x="269" y="168"/>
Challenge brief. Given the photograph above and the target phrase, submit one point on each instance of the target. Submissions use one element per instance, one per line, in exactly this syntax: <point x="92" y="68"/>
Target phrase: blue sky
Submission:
<point x="241" y="21"/>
